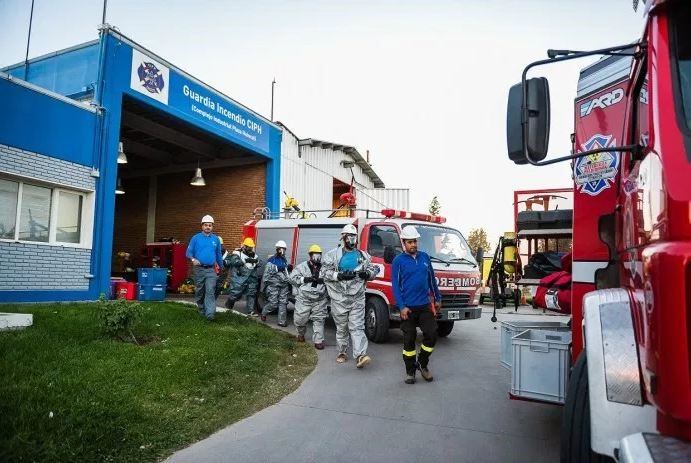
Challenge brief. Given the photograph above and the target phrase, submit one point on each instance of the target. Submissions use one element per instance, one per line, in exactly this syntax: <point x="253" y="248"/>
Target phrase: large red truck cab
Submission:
<point x="456" y="270"/>
<point x="629" y="394"/>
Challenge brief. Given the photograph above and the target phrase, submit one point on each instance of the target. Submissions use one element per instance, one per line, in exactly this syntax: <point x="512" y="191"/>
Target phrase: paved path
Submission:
<point x="341" y="414"/>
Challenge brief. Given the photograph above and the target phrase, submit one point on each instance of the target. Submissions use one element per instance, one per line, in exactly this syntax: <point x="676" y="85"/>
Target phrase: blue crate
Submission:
<point x="151" y="292"/>
<point x="152" y="276"/>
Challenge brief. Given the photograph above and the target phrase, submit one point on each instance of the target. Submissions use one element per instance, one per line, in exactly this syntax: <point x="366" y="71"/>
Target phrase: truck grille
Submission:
<point x="455" y="300"/>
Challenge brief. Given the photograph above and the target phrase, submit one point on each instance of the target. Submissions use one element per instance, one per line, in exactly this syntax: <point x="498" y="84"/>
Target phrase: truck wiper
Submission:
<point x="463" y="259"/>
<point x="436" y="259"/>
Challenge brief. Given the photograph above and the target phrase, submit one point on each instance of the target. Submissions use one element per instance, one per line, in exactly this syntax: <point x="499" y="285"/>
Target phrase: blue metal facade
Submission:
<point x="45" y="124"/>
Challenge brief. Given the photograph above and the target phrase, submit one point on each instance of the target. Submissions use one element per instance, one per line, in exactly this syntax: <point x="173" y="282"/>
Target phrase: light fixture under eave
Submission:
<point x="118" y="188"/>
<point x="122" y="157"/>
<point x="198" y="180"/>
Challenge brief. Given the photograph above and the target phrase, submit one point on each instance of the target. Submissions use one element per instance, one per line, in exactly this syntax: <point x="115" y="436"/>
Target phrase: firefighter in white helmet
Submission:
<point x="311" y="299"/>
<point x="346" y="270"/>
<point x="276" y="284"/>
<point x="204" y="251"/>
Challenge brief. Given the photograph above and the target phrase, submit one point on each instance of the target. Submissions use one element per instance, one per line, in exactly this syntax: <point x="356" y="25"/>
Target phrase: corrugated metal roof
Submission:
<point x="349" y="150"/>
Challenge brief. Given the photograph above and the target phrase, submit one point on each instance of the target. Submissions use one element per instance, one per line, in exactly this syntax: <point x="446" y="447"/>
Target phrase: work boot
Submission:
<point x="283" y="324"/>
<point x="425" y="373"/>
<point x="319" y="346"/>
<point x="342" y="358"/>
<point x="301" y="338"/>
<point x="363" y="360"/>
<point x="410" y="378"/>
<point x="254" y="314"/>
<point x="229" y="304"/>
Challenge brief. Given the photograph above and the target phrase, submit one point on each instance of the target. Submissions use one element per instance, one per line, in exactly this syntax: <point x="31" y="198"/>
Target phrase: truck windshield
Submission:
<point x="445" y="244"/>
<point x="682" y="41"/>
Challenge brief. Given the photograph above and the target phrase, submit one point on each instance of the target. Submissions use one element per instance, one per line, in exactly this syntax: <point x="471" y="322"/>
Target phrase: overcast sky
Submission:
<point x="421" y="84"/>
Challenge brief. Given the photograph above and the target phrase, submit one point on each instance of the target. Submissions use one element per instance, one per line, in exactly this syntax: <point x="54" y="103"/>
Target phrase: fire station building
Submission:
<point x="105" y="147"/>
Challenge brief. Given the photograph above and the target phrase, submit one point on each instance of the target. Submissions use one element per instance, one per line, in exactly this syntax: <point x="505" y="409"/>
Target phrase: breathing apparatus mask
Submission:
<point x="280" y="251"/>
<point x="316" y="258"/>
<point x="249" y="252"/>
<point x="350" y="240"/>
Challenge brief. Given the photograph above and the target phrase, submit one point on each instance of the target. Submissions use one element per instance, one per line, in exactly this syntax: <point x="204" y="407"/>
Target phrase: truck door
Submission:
<point x="383" y="243"/>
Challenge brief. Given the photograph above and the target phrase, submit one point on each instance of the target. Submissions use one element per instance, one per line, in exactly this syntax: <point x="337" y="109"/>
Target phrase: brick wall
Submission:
<point x="230" y="196"/>
<point x="27" y="164"/>
<point x="39" y="267"/>
<point x="129" y="231"/>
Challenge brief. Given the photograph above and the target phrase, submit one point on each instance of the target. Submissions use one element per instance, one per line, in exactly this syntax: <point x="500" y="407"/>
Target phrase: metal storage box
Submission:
<point x="541" y="365"/>
<point x="509" y="329"/>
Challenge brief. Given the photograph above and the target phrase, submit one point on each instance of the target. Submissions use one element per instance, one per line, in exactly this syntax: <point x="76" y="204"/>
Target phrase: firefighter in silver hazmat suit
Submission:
<point x="346" y="271"/>
<point x="311" y="298"/>
<point x="276" y="284"/>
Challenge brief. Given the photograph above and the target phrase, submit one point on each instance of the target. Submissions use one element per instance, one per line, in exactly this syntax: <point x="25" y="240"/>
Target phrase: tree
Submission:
<point x="434" y="206"/>
<point x="477" y="238"/>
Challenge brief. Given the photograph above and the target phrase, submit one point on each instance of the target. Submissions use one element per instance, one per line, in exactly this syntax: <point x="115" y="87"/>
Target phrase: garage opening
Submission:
<point x="157" y="209"/>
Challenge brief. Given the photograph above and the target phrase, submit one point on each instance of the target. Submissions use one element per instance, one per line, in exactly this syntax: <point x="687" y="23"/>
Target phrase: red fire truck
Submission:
<point x="629" y="393"/>
<point x="455" y="267"/>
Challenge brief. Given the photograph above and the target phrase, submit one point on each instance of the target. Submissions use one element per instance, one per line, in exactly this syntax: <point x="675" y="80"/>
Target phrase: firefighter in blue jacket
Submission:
<point x="413" y="282"/>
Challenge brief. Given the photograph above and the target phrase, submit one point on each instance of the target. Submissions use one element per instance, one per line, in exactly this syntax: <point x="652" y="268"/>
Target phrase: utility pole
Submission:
<point x="105" y="5"/>
<point x="273" y="83"/>
<point x="28" y="42"/>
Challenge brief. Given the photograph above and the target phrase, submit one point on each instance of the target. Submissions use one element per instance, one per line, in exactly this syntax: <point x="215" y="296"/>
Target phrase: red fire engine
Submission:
<point x="631" y="292"/>
<point x="455" y="267"/>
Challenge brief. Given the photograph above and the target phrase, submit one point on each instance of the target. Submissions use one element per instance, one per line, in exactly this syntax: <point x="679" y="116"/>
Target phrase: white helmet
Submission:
<point x="349" y="230"/>
<point x="207" y="219"/>
<point x="281" y="244"/>
<point x="409" y="233"/>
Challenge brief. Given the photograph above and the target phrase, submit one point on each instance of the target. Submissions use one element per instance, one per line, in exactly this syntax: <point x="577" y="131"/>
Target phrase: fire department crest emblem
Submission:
<point x="596" y="172"/>
<point x="150" y="77"/>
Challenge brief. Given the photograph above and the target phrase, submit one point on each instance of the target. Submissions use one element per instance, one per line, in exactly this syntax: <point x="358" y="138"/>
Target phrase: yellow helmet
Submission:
<point x="249" y="242"/>
<point x="314" y="248"/>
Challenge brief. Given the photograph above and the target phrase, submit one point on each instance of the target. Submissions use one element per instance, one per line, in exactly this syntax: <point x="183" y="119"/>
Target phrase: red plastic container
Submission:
<point x="126" y="290"/>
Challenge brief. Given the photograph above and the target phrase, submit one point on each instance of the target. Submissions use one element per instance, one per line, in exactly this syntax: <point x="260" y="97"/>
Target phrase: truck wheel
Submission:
<point x="376" y="320"/>
<point x="575" y="428"/>
<point x="444" y="329"/>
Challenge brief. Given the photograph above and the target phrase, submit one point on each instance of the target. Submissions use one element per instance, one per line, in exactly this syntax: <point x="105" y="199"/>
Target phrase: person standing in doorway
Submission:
<point x="204" y="251"/>
<point x="311" y="299"/>
<point x="346" y="270"/>
<point x="276" y="284"/>
<point x="414" y="286"/>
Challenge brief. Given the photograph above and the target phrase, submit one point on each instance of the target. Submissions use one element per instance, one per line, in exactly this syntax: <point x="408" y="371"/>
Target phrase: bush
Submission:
<point x="118" y="317"/>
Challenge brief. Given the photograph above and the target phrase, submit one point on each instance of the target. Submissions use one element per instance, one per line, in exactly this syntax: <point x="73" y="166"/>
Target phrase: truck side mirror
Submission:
<point x="479" y="255"/>
<point x="533" y="112"/>
<point x="389" y="254"/>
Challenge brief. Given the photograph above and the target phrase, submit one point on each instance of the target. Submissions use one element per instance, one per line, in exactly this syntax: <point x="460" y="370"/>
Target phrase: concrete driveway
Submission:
<point x="341" y="414"/>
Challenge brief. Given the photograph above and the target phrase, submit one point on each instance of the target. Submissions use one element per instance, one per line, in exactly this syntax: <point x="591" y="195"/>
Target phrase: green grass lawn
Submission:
<point x="116" y="401"/>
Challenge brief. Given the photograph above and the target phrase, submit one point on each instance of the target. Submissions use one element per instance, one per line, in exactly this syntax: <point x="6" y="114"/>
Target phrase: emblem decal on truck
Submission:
<point x="596" y="172"/>
<point x="602" y="102"/>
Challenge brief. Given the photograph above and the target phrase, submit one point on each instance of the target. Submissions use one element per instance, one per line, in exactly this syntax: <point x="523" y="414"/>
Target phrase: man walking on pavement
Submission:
<point x="276" y="283"/>
<point x="413" y="282"/>
<point x="346" y="271"/>
<point x="204" y="251"/>
<point x="244" y="277"/>
<point x="311" y="299"/>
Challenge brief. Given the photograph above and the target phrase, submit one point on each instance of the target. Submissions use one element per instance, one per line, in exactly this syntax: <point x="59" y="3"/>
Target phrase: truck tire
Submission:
<point x="575" y="428"/>
<point x="444" y="328"/>
<point x="376" y="320"/>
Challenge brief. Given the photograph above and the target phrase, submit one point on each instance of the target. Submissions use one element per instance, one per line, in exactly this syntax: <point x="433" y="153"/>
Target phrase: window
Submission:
<point x="34" y="218"/>
<point x="42" y="214"/>
<point x="443" y="243"/>
<point x="69" y="219"/>
<point x="381" y="237"/>
<point x="9" y="192"/>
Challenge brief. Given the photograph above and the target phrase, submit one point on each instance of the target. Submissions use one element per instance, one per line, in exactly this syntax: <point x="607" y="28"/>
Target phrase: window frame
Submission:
<point x="86" y="218"/>
<point x="383" y="225"/>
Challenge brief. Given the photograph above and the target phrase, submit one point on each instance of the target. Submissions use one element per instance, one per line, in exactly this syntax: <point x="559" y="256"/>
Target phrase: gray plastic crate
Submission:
<point x="541" y="365"/>
<point x="511" y="328"/>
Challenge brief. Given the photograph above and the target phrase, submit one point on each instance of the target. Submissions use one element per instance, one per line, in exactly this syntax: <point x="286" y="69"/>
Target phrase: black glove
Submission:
<point x="308" y="279"/>
<point x="251" y="260"/>
<point x="347" y="275"/>
<point x="319" y="281"/>
<point x="290" y="268"/>
<point x="364" y="274"/>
